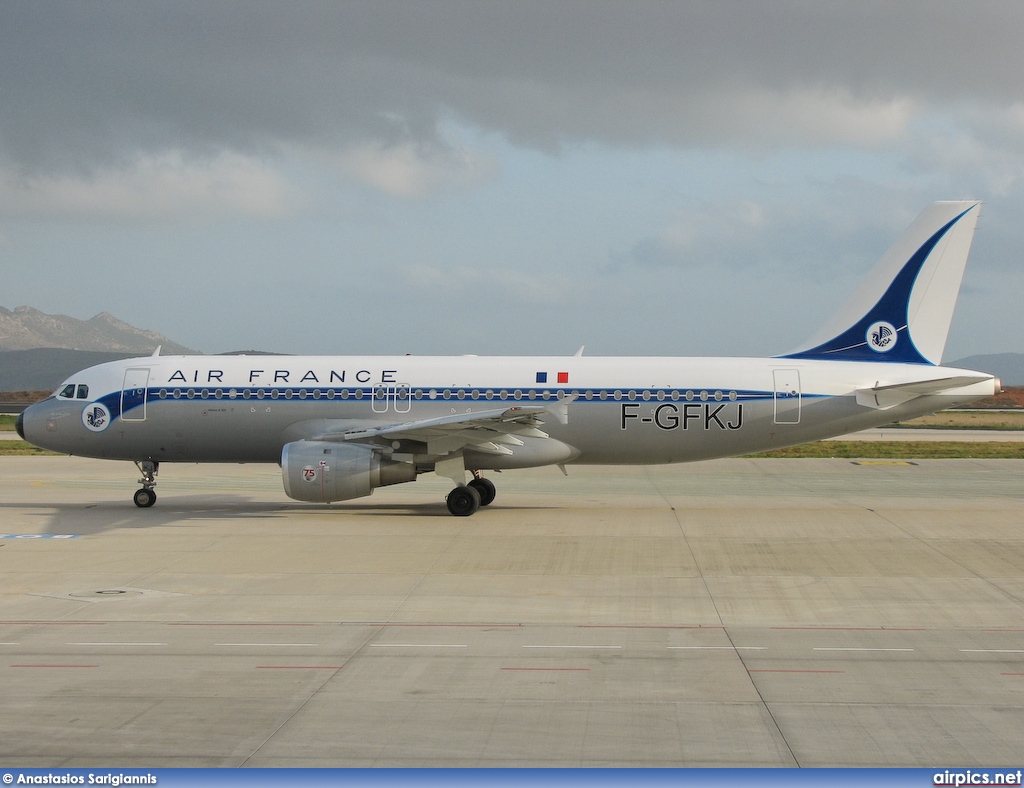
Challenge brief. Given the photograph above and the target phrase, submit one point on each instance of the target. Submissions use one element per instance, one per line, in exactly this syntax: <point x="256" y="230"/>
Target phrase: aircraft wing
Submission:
<point x="489" y="431"/>
<point x="882" y="397"/>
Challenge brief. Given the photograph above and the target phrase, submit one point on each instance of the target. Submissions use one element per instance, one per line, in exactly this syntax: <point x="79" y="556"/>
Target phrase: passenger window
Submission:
<point x="68" y="392"/>
<point x="83" y="391"/>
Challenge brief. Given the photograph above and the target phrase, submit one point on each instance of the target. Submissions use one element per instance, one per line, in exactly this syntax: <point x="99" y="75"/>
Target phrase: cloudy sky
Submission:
<point x="434" y="176"/>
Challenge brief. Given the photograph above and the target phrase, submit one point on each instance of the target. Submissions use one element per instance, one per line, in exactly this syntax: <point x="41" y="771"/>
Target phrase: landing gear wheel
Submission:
<point x="463" y="501"/>
<point x="144" y="498"/>
<point x="486" y="489"/>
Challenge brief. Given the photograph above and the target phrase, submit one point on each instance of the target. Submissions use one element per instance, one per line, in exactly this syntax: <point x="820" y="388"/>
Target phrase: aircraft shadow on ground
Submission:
<point x="86" y="519"/>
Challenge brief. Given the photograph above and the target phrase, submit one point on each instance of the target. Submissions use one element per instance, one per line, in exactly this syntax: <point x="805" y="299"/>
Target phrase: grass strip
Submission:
<point x="23" y="449"/>
<point x="952" y="427"/>
<point x="849" y="450"/>
<point x="903" y="450"/>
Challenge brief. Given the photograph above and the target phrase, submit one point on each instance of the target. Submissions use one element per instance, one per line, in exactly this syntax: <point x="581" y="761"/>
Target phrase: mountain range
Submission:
<point x="38" y="351"/>
<point x="25" y="328"/>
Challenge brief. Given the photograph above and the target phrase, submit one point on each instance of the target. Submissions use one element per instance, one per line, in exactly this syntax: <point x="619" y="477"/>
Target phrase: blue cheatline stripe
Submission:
<point x="296" y="395"/>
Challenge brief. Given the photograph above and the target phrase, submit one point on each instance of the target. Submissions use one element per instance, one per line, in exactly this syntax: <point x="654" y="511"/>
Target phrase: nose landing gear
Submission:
<point x="146" y="497"/>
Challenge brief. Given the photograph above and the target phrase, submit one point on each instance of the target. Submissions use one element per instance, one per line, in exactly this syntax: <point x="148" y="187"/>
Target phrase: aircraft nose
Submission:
<point x="19" y="424"/>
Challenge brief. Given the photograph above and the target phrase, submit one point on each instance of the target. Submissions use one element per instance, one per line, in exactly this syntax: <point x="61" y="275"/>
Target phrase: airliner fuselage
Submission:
<point x="619" y="410"/>
<point x="341" y="426"/>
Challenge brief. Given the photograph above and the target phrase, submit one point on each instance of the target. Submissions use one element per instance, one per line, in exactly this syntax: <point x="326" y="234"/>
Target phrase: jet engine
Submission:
<point x="321" y="471"/>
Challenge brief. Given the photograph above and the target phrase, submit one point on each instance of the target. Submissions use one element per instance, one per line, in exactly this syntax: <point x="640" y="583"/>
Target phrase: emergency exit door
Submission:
<point x="787" y="396"/>
<point x="397" y="398"/>
<point x="133" y="394"/>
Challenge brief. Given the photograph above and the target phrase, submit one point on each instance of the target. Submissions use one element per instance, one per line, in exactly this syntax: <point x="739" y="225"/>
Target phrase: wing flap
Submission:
<point x="492" y="431"/>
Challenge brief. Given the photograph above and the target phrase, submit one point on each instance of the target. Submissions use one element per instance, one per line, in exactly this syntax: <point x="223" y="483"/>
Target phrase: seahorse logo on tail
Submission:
<point x="882" y="336"/>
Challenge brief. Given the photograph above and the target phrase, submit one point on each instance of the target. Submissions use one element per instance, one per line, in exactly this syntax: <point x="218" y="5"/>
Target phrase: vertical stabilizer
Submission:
<point x="902" y="311"/>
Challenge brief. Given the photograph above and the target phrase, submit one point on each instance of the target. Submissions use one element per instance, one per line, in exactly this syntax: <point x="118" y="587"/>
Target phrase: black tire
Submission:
<point x="463" y="501"/>
<point x="144" y="498"/>
<point x="486" y="489"/>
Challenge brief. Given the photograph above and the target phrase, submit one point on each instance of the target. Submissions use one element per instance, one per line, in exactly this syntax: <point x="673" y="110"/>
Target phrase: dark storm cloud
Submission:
<point x="87" y="83"/>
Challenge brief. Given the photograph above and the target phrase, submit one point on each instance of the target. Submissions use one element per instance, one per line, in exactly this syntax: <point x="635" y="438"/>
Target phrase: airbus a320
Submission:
<point x="341" y="426"/>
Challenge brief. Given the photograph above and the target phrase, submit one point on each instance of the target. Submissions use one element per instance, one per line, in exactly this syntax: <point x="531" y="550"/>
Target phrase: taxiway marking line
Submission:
<point x="646" y="626"/>
<point x="992" y="650"/>
<point x="115" y="644"/>
<point x="299" y="667"/>
<point x="301" y="645"/>
<point x="418" y="645"/>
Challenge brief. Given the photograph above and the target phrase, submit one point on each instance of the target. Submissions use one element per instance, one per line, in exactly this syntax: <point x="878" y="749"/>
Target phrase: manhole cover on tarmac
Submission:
<point x="106" y="593"/>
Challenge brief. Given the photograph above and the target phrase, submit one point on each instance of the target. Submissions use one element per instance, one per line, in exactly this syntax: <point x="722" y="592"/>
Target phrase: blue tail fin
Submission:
<point x="902" y="311"/>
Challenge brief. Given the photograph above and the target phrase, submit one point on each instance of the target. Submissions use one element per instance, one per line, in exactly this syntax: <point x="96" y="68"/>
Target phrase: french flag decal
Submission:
<point x="562" y="377"/>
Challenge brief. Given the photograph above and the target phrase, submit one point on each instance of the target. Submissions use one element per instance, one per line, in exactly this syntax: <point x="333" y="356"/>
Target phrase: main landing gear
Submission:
<point x="464" y="500"/>
<point x="146" y="497"/>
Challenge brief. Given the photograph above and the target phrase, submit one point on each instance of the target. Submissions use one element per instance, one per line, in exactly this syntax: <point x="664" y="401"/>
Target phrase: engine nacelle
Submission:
<point x="321" y="471"/>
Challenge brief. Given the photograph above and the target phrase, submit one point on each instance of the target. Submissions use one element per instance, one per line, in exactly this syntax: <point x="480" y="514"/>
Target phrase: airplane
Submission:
<point x="341" y="426"/>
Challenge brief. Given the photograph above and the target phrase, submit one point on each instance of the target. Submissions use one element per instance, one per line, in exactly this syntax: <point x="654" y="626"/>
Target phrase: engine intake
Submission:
<point x="321" y="471"/>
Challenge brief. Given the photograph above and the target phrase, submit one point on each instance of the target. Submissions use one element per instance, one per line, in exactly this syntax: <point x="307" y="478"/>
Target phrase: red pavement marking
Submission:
<point x="217" y="624"/>
<point x="642" y="626"/>
<point x="54" y="666"/>
<point x="52" y="623"/>
<point x="490" y="626"/>
<point x="854" y="629"/>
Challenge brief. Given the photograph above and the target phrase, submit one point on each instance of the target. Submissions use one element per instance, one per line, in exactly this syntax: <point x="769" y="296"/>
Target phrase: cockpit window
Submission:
<point x="73" y="391"/>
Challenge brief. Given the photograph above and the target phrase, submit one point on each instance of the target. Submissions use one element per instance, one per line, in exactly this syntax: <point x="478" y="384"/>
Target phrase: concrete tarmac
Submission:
<point x="729" y="613"/>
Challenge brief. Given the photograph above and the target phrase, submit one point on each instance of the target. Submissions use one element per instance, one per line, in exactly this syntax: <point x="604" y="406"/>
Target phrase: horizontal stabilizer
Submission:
<point x="884" y="397"/>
